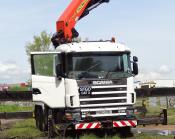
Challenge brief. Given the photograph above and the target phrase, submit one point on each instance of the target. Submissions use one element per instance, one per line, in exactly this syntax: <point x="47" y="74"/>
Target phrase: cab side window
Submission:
<point x="44" y="64"/>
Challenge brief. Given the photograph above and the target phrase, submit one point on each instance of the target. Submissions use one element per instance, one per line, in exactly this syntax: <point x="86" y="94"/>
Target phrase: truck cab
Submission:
<point x="88" y="84"/>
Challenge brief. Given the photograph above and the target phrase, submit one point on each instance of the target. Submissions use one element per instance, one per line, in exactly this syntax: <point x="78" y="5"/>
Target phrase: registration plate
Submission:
<point x="104" y="112"/>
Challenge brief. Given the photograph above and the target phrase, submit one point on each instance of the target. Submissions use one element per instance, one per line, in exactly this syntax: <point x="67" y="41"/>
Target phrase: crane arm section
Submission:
<point x="76" y="10"/>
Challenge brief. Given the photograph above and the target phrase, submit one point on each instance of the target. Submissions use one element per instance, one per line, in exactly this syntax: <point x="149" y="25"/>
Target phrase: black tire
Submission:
<point x="39" y="118"/>
<point x="45" y="119"/>
<point x="37" y="121"/>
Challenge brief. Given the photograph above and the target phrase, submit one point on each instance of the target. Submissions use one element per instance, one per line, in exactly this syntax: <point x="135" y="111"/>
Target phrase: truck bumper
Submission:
<point x="106" y="124"/>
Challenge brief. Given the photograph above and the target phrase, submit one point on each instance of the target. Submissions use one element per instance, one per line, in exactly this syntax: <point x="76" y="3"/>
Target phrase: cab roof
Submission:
<point x="88" y="47"/>
<point x="92" y="47"/>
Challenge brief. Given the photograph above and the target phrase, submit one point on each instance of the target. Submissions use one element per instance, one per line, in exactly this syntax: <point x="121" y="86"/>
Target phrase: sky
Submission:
<point x="147" y="27"/>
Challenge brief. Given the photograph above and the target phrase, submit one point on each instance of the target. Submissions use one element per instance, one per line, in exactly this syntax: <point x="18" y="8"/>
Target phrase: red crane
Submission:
<point x="76" y="10"/>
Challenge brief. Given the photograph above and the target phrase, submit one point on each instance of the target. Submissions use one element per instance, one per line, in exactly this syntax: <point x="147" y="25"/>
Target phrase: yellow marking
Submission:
<point x="80" y="8"/>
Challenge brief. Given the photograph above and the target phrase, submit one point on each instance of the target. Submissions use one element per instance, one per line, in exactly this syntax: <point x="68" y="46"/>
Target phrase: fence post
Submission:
<point x="0" y="125"/>
<point x="167" y="104"/>
<point x="165" y="120"/>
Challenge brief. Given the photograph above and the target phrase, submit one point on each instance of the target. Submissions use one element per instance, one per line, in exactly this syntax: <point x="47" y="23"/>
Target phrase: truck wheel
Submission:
<point x="36" y="119"/>
<point x="39" y="118"/>
<point x="45" y="119"/>
<point x="37" y="115"/>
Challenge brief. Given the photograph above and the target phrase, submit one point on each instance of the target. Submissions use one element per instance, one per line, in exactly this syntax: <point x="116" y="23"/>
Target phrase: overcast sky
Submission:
<point x="146" y="26"/>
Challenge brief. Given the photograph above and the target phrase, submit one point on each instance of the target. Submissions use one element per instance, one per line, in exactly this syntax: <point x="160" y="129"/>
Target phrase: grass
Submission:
<point x="155" y="110"/>
<point x="91" y="136"/>
<point x="26" y="129"/>
<point x="171" y="116"/>
<point x="22" y="130"/>
<point x="136" y="136"/>
<point x="14" y="108"/>
<point x="19" y="88"/>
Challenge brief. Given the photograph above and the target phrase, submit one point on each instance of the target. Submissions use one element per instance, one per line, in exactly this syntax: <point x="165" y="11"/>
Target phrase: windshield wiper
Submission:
<point x="86" y="73"/>
<point x="93" y="66"/>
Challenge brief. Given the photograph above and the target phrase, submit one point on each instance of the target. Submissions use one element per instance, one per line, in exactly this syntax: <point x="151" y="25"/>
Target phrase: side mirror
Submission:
<point x="59" y="72"/>
<point x="135" y="59"/>
<point x="135" y="68"/>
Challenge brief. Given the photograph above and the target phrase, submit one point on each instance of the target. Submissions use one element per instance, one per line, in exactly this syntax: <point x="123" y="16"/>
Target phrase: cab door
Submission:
<point x="47" y="88"/>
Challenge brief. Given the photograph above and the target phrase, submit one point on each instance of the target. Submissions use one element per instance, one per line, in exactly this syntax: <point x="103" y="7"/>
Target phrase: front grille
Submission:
<point x="103" y="101"/>
<point x="105" y="96"/>
<point x="109" y="89"/>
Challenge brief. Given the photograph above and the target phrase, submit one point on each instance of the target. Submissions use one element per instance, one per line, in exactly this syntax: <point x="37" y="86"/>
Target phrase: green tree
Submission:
<point x="39" y="43"/>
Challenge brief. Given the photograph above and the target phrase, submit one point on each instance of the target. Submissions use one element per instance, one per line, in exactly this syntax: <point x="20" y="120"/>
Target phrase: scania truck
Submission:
<point x="83" y="85"/>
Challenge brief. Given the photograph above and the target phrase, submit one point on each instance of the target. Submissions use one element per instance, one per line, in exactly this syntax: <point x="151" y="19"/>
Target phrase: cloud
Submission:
<point x="10" y="72"/>
<point x="163" y="72"/>
<point x="145" y="76"/>
<point x="7" y="67"/>
<point x="164" y="69"/>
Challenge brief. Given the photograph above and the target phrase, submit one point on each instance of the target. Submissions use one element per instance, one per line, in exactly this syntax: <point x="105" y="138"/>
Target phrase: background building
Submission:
<point x="158" y="84"/>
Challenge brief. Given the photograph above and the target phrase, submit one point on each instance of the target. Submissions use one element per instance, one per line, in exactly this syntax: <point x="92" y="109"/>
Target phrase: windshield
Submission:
<point x="98" y="65"/>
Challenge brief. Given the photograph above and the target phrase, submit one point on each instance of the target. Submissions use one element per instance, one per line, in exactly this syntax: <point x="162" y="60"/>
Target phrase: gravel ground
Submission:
<point x="159" y="127"/>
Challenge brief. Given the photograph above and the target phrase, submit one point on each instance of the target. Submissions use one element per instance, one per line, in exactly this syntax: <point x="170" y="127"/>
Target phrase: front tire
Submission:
<point x="41" y="118"/>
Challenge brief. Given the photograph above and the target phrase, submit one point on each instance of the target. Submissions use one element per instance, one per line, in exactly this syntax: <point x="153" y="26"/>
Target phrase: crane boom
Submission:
<point x="76" y="10"/>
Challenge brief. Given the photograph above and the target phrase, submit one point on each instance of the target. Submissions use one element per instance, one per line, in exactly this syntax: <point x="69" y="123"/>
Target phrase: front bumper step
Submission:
<point x="106" y="124"/>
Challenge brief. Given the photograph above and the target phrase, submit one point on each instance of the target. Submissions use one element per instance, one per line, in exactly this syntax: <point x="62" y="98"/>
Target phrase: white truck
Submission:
<point x="87" y="85"/>
<point x="83" y="85"/>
